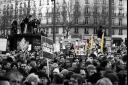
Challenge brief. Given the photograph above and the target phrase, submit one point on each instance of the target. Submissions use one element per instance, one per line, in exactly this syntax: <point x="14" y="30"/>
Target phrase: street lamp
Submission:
<point x="54" y="21"/>
<point x="110" y="22"/>
<point x="28" y="9"/>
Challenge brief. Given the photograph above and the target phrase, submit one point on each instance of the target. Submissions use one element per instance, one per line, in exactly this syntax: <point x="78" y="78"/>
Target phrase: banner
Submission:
<point x="3" y="44"/>
<point x="23" y="44"/>
<point x="47" y="47"/>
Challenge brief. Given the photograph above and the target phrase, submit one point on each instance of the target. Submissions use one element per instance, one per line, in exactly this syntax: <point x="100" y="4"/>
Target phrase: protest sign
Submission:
<point x="3" y="44"/>
<point x="47" y="47"/>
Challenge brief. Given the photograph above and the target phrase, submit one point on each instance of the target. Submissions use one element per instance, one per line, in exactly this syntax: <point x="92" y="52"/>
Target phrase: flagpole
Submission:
<point x="48" y="67"/>
<point x="110" y="23"/>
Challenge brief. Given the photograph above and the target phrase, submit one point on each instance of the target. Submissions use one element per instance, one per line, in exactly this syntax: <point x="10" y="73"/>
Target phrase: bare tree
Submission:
<point x="67" y="12"/>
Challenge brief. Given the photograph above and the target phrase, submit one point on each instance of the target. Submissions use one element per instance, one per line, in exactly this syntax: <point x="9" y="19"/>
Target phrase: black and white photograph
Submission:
<point x="63" y="42"/>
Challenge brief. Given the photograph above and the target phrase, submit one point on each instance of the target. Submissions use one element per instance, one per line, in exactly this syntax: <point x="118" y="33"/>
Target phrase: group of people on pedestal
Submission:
<point x="28" y="25"/>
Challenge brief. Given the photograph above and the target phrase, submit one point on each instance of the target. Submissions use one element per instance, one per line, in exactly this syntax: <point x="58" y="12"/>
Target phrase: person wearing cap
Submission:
<point x="57" y="77"/>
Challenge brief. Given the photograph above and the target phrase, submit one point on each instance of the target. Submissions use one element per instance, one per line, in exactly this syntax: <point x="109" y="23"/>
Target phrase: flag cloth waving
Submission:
<point x="102" y="43"/>
<point x="91" y="42"/>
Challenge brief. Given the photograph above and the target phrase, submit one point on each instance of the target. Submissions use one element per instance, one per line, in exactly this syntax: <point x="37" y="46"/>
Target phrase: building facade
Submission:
<point x="75" y="18"/>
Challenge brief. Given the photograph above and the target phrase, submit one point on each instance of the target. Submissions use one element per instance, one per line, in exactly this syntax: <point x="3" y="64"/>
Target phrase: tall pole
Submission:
<point x="16" y="9"/>
<point x="110" y="22"/>
<point x="54" y="21"/>
<point x="28" y="10"/>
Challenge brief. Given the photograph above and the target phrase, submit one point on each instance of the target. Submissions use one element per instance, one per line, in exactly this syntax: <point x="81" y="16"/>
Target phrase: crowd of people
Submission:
<point x="29" y="68"/>
<point x="29" y="25"/>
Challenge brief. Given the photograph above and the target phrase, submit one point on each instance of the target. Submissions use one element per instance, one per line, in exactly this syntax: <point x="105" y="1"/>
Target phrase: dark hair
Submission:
<point x="27" y="83"/>
<point x="14" y="64"/>
<point x="3" y="78"/>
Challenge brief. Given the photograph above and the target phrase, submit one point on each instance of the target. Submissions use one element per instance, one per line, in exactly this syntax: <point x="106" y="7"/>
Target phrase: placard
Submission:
<point x="47" y="47"/>
<point x="3" y="44"/>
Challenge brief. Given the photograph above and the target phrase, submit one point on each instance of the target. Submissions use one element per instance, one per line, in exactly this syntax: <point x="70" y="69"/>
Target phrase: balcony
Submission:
<point x="120" y="14"/>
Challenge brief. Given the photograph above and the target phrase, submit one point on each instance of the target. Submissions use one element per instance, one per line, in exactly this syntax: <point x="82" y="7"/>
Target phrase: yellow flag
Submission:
<point x="91" y="42"/>
<point x="86" y="47"/>
<point x="102" y="43"/>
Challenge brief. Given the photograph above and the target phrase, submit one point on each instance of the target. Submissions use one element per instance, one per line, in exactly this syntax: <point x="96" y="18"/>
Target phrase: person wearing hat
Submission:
<point x="57" y="77"/>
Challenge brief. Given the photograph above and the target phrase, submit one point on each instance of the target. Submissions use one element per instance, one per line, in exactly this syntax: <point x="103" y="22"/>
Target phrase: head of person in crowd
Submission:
<point x="75" y="79"/>
<point x="33" y="63"/>
<point x="56" y="71"/>
<point x="44" y="79"/>
<point x="91" y="69"/>
<point x="7" y="65"/>
<point x="57" y="76"/>
<point x="104" y="81"/>
<point x="14" y="66"/>
<point x="4" y="81"/>
<point x="33" y="79"/>
<point x="15" y="77"/>
<point x="112" y="76"/>
<point x="42" y="68"/>
<point x="19" y="62"/>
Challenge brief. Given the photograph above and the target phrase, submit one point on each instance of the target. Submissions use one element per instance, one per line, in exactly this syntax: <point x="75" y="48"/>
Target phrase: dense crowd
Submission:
<point x="28" y="68"/>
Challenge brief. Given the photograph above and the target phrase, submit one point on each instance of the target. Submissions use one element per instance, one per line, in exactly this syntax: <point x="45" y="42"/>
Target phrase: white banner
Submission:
<point x="3" y="44"/>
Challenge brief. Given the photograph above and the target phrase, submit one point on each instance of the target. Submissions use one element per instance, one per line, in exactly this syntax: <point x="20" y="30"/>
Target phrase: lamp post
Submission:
<point x="54" y="21"/>
<point x="16" y="9"/>
<point x="110" y="21"/>
<point x="28" y="9"/>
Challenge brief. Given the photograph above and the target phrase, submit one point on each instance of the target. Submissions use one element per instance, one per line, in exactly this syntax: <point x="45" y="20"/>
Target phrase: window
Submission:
<point x="47" y="30"/>
<point x="51" y="30"/>
<point x="113" y="20"/>
<point x="120" y="32"/>
<point x="86" y="10"/>
<point x="95" y="1"/>
<point x="95" y="21"/>
<point x="120" y="21"/>
<point x="76" y="30"/>
<point x="120" y="11"/>
<point x="86" y="20"/>
<point x="120" y="2"/>
<point x="95" y="30"/>
<point x="95" y="10"/>
<point x="57" y="30"/>
<point x="104" y="1"/>
<point x="63" y="30"/>
<point x="86" y="31"/>
<point x="113" y="32"/>
<point x="86" y="2"/>
<point x="112" y="2"/>
<point x="113" y="12"/>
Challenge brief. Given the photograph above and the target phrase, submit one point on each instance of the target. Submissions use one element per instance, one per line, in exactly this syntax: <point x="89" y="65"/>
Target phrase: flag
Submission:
<point x="77" y="47"/>
<point x="102" y="43"/>
<point x="85" y="48"/>
<point x="91" y="42"/>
